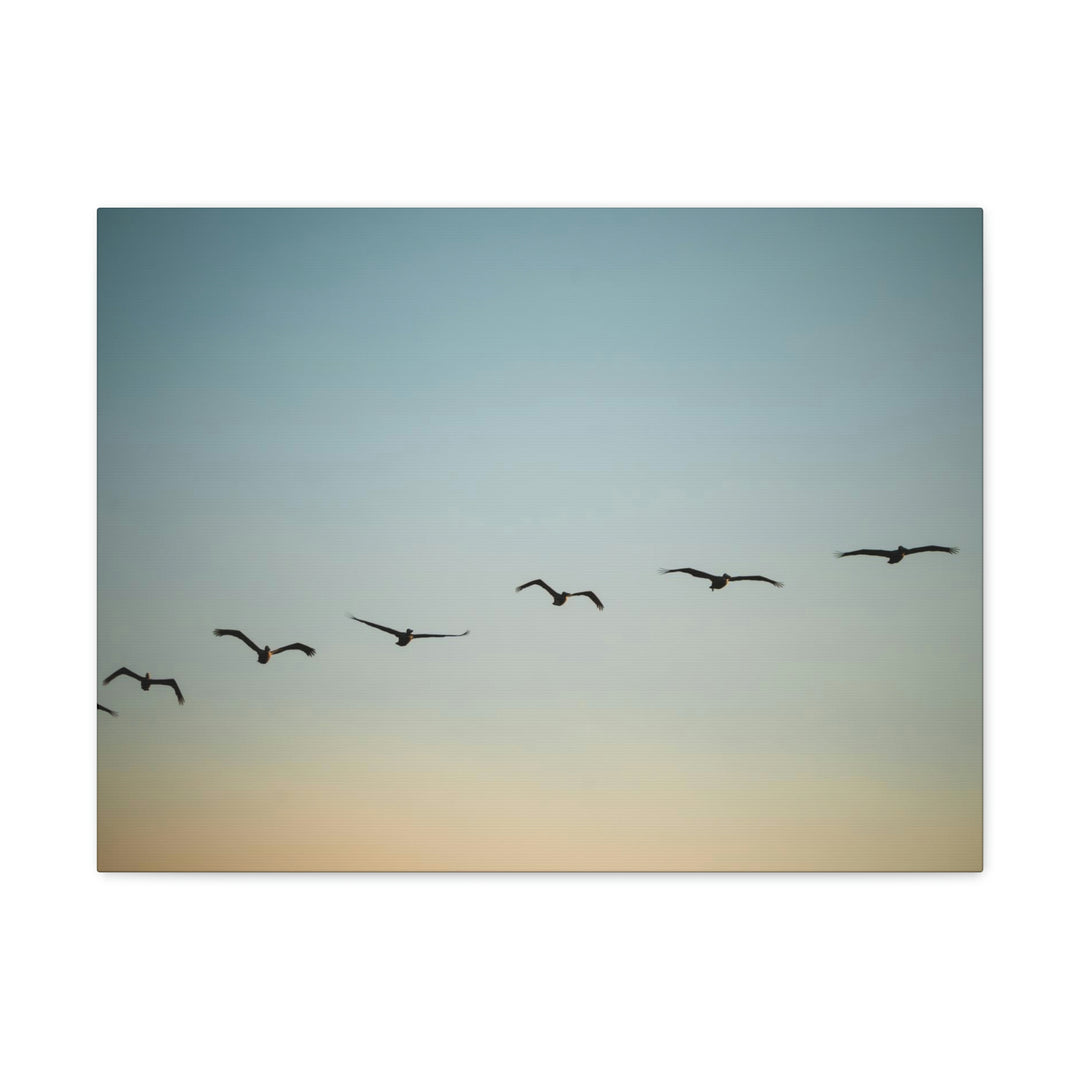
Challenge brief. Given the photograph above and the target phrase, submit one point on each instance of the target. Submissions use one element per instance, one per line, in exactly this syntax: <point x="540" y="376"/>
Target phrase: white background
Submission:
<point x="833" y="104"/>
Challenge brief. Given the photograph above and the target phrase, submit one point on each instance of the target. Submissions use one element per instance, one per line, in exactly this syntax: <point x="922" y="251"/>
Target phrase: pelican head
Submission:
<point x="408" y="629"/>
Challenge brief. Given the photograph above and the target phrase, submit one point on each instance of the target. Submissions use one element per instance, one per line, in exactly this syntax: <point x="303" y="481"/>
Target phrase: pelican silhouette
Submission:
<point x="719" y="581"/>
<point x="895" y="556"/>
<point x="265" y="652"/>
<point x="102" y="708"/>
<point x="145" y="682"/>
<point x="403" y="636"/>
<point x="560" y="598"/>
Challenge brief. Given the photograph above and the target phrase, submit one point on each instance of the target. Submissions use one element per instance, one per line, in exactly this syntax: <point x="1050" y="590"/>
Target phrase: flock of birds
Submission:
<point x="558" y="599"/>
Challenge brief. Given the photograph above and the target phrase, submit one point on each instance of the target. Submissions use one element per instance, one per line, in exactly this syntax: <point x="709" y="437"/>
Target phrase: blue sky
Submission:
<point x="404" y="414"/>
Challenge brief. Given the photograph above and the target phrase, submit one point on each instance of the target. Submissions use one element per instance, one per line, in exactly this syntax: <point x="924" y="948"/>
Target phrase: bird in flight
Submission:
<point x="403" y="636"/>
<point x="144" y="681"/>
<point x="719" y="581"/>
<point x="102" y="708"/>
<point x="560" y="598"/>
<point x="265" y="652"/>
<point x="895" y="556"/>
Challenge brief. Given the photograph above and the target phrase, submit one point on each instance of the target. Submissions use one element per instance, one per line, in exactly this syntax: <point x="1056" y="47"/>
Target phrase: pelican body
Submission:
<point x="560" y="598"/>
<point x="403" y="636"/>
<point x="265" y="652"/>
<point x="720" y="581"/>
<point x="145" y="682"/>
<point x="896" y="556"/>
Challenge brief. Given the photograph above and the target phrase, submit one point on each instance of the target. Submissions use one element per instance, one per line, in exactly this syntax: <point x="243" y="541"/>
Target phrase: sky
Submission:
<point x="404" y="414"/>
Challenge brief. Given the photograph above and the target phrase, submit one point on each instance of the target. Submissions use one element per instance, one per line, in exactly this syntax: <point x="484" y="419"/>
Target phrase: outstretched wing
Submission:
<point x="758" y="577"/>
<point x="592" y="596"/>
<point x="173" y="684"/>
<point x="440" y="635"/>
<point x="542" y="584"/>
<point x="120" y="671"/>
<point x="385" y="629"/>
<point x="111" y="712"/>
<point x="863" y="551"/>
<point x="238" y="634"/>
<point x="932" y="547"/>
<point x="689" y="570"/>
<point x="307" y="650"/>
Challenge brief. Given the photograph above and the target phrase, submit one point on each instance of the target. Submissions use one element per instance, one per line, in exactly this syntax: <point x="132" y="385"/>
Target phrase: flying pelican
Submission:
<point x="560" y="598"/>
<point x="719" y="581"/>
<point x="265" y="652"/>
<point x="145" y="682"/>
<point x="403" y="638"/>
<point x="101" y="708"/>
<point x="895" y="556"/>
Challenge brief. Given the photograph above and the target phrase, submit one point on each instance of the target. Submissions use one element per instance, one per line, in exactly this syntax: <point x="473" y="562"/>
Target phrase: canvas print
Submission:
<point x="539" y="540"/>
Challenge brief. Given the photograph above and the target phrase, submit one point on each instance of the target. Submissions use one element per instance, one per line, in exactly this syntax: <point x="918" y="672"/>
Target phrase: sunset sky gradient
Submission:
<point x="403" y="414"/>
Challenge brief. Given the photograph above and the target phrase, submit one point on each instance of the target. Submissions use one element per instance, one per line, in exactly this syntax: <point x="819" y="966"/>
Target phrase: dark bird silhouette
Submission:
<point x="265" y="652"/>
<point x="560" y="598"/>
<point x="102" y="708"/>
<point x="403" y="636"/>
<point x="145" y="682"/>
<point x="895" y="556"/>
<point x="719" y="581"/>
